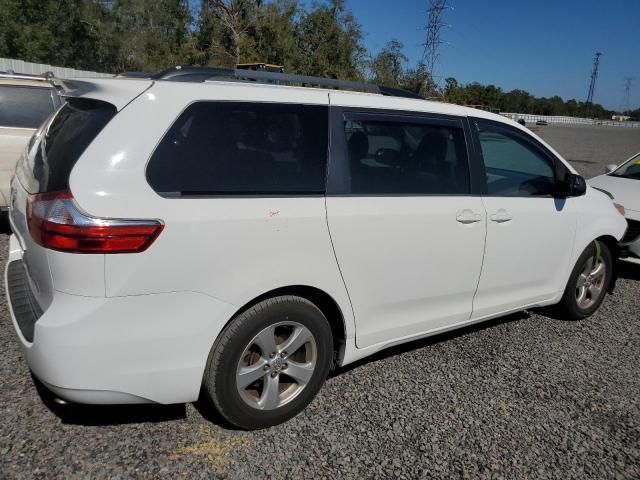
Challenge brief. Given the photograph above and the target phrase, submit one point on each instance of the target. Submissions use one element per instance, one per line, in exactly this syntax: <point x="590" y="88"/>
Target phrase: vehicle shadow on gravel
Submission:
<point x="629" y="271"/>
<point x="103" y="415"/>
<point x="433" y="340"/>
<point x="94" y="415"/>
<point x="208" y="412"/>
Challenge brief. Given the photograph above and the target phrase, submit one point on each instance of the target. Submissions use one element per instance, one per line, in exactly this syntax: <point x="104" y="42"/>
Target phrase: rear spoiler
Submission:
<point x="118" y="92"/>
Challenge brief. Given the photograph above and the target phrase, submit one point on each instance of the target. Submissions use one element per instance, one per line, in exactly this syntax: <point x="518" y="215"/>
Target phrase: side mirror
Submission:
<point x="574" y="185"/>
<point x="611" y="167"/>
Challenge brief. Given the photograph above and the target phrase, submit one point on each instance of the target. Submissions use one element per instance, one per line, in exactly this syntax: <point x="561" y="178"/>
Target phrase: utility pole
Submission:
<point x="433" y="41"/>
<point x="592" y="85"/>
<point x="627" y="94"/>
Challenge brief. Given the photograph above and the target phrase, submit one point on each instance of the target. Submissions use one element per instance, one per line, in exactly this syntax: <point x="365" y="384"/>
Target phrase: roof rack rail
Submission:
<point x="202" y="74"/>
<point x="399" y="92"/>
<point x="27" y="76"/>
<point x="135" y="75"/>
<point x="48" y="76"/>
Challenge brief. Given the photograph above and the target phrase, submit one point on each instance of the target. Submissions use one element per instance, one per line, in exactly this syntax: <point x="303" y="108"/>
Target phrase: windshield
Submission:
<point x="629" y="169"/>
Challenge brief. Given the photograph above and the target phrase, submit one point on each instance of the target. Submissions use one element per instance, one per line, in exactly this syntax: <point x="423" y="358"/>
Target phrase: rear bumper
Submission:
<point x="135" y="349"/>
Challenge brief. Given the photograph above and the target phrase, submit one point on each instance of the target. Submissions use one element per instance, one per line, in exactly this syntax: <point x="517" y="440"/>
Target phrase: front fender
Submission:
<point x="597" y="218"/>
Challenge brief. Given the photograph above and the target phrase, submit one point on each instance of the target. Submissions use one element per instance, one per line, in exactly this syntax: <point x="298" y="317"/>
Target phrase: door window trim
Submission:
<point x="338" y="165"/>
<point x="559" y="169"/>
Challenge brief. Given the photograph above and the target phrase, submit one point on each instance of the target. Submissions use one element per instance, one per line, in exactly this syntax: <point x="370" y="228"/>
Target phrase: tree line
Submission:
<point x="321" y="39"/>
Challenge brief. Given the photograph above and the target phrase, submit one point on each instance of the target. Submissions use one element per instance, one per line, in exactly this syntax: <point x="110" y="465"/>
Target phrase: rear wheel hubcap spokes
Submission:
<point x="276" y="365"/>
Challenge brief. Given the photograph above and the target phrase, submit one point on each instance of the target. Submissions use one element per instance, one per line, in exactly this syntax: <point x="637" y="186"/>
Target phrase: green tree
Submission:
<point x="330" y="43"/>
<point x="388" y="66"/>
<point x="152" y="34"/>
<point x="225" y="30"/>
<point x="418" y="80"/>
<point x="74" y="33"/>
<point x="276" y="37"/>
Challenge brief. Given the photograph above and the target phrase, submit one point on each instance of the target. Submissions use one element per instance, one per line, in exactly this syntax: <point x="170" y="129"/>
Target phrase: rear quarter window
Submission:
<point x="25" y="107"/>
<point x="55" y="149"/>
<point x="235" y="148"/>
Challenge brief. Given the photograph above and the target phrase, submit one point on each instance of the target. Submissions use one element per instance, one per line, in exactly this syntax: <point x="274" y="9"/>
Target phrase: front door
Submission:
<point x="529" y="232"/>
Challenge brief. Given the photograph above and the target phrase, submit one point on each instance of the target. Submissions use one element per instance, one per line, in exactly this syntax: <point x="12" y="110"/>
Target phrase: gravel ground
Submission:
<point x="526" y="396"/>
<point x="588" y="148"/>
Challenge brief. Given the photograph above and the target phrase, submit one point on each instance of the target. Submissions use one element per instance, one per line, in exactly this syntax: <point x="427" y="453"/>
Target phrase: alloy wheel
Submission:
<point x="590" y="282"/>
<point x="276" y="365"/>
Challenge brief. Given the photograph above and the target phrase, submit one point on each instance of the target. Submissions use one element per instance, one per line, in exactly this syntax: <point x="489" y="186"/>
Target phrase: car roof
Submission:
<point x="121" y="91"/>
<point x="110" y="89"/>
<point x="372" y="100"/>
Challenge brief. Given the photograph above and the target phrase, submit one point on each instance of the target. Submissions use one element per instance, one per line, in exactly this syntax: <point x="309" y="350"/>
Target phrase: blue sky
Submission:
<point x="545" y="47"/>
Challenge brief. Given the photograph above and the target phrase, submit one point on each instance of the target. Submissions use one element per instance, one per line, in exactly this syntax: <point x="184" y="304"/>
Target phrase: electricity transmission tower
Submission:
<point x="592" y="85"/>
<point x="626" y="105"/>
<point x="433" y="41"/>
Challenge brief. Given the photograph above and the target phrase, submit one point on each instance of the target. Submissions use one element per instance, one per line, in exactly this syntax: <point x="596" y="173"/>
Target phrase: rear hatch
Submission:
<point x="45" y="167"/>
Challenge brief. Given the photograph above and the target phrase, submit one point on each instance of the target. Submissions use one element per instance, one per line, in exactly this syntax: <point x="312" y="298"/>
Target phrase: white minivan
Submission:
<point x="218" y="230"/>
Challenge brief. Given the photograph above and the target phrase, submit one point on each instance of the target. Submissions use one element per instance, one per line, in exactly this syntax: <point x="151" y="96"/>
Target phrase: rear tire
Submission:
<point x="588" y="283"/>
<point x="269" y="362"/>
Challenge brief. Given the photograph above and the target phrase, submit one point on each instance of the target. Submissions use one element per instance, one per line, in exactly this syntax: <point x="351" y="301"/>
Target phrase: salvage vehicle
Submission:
<point x="239" y="233"/>
<point x="25" y="103"/>
<point x="623" y="183"/>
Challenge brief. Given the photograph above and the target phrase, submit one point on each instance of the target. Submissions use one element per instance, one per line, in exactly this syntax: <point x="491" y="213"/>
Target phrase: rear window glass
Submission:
<point x="56" y="148"/>
<point x="224" y="148"/>
<point x="24" y="107"/>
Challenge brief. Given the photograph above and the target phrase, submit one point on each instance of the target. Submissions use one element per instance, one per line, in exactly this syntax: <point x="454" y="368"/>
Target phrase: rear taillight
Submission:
<point x="56" y="222"/>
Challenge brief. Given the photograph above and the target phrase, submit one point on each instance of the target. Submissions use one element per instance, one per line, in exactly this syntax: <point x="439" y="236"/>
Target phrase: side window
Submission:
<point x="24" y="107"/>
<point x="401" y="156"/>
<point x="242" y="148"/>
<point x="514" y="166"/>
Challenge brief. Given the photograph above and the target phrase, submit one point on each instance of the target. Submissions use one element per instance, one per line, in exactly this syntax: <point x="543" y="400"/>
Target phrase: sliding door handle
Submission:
<point x="467" y="216"/>
<point x="501" y="216"/>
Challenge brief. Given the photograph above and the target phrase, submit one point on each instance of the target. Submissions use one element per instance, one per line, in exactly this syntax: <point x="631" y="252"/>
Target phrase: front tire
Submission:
<point x="588" y="283"/>
<point x="269" y="362"/>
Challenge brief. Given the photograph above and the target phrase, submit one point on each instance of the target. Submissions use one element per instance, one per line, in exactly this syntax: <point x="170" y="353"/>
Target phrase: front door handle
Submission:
<point x="467" y="216"/>
<point x="501" y="216"/>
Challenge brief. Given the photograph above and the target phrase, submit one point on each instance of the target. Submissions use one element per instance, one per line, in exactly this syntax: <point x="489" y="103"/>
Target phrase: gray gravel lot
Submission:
<point x="589" y="149"/>
<point x="526" y="396"/>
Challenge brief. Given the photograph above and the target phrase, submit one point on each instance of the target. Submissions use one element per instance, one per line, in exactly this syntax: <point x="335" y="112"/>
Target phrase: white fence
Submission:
<point x="18" y="66"/>
<point x="561" y="120"/>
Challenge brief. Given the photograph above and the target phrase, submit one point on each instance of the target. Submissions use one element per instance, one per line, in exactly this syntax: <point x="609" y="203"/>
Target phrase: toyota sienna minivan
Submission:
<point x="226" y="232"/>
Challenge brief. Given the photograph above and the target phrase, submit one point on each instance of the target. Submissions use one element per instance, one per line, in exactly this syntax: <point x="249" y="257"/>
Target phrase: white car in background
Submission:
<point x="623" y="183"/>
<point x="26" y="101"/>
<point x="186" y="233"/>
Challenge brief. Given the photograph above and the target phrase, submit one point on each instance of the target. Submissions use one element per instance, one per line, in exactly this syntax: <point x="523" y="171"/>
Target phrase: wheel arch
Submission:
<point x="612" y="245"/>
<point x="321" y="299"/>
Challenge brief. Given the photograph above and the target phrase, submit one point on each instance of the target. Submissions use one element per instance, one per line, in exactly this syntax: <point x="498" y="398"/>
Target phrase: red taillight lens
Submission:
<point x="56" y="222"/>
